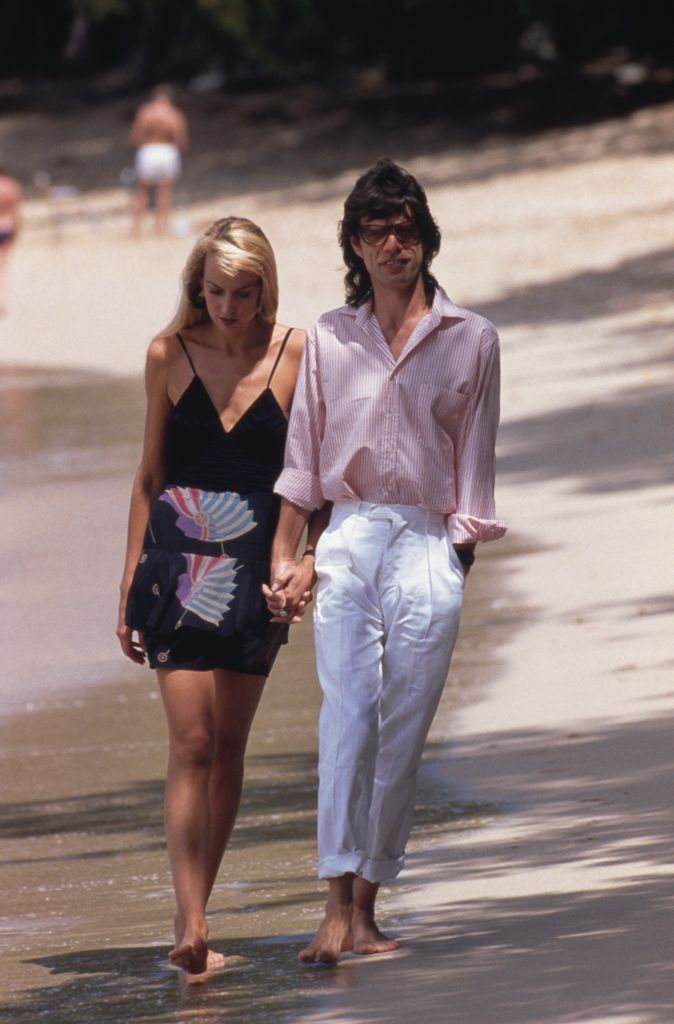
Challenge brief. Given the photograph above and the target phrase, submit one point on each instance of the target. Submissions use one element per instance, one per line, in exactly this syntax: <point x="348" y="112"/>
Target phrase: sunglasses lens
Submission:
<point x="375" y="234"/>
<point x="406" y="233"/>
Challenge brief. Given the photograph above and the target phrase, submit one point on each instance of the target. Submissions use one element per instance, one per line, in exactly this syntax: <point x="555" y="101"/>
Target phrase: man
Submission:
<point x="11" y="196"/>
<point x="159" y="133"/>
<point x="394" y="421"/>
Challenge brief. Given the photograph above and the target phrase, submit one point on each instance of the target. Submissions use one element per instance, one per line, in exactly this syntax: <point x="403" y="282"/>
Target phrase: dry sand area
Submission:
<point x="554" y="903"/>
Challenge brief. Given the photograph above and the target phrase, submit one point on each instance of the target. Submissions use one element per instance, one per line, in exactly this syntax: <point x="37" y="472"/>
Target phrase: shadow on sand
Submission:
<point x="577" y="954"/>
<point x="621" y="439"/>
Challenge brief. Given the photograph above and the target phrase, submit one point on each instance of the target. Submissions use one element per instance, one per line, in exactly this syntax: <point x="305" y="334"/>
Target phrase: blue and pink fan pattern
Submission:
<point x="207" y="588"/>
<point x="209" y="515"/>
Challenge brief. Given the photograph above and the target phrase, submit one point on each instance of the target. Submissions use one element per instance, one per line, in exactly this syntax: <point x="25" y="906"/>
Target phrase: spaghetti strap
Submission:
<point x="279" y="354"/>
<point x="184" y="348"/>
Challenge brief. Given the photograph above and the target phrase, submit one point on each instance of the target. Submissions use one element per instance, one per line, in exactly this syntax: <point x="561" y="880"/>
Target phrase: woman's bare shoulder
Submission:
<point x="163" y="351"/>
<point x="296" y="339"/>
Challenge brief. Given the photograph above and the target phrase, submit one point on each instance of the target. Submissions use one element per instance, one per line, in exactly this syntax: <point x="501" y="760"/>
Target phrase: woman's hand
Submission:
<point x="290" y="590"/>
<point x="133" y="649"/>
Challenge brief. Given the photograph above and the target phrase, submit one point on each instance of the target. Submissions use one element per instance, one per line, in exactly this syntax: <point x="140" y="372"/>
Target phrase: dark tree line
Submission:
<point x="252" y="41"/>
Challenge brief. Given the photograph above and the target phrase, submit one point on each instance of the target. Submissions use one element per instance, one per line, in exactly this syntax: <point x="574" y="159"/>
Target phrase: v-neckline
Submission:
<point x="228" y="430"/>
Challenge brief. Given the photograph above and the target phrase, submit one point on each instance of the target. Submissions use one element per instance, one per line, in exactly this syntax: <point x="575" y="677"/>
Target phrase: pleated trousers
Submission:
<point x="388" y="603"/>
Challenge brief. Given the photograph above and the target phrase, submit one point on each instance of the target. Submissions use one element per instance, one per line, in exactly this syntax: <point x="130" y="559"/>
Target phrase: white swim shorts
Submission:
<point x="157" y="162"/>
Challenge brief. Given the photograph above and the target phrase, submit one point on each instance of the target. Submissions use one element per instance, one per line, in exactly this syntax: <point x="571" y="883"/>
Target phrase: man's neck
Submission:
<point x="398" y="312"/>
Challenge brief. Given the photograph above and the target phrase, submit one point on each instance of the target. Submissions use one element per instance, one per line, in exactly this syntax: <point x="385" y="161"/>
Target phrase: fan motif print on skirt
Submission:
<point x="207" y="588"/>
<point x="209" y="515"/>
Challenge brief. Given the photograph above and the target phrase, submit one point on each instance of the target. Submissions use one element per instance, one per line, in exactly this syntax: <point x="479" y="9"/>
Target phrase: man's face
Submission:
<point x="391" y="250"/>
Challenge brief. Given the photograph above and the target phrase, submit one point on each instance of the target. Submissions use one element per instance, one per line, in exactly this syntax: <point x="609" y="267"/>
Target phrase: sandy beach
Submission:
<point x="538" y="888"/>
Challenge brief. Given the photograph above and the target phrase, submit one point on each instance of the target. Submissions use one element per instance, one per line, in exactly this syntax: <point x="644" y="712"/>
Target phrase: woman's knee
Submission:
<point x="193" y="748"/>
<point x="230" y="750"/>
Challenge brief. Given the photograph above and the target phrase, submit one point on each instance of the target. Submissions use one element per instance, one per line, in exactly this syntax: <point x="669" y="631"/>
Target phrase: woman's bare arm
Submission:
<point x="148" y="480"/>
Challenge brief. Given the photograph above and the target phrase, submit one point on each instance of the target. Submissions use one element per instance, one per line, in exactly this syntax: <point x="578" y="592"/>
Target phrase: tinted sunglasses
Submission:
<point x="407" y="233"/>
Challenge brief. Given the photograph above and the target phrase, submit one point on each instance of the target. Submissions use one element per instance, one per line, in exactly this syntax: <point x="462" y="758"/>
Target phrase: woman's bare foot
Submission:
<point x="191" y="955"/>
<point x="214" y="961"/>
<point x="367" y="939"/>
<point x="332" y="938"/>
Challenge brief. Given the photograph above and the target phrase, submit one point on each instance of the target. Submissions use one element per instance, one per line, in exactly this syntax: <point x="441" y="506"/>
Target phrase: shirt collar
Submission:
<point x="442" y="309"/>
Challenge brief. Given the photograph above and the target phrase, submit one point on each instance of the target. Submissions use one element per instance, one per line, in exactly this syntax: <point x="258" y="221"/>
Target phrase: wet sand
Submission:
<point x="539" y="880"/>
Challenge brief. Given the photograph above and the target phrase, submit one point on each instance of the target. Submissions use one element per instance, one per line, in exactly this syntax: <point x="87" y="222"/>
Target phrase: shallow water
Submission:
<point x="87" y="902"/>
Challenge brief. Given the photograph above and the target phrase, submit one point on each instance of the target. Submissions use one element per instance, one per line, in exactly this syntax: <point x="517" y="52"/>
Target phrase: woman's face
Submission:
<point x="232" y="302"/>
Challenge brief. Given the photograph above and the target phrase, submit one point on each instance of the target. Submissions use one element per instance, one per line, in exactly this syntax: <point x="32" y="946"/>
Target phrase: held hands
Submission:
<point x="290" y="589"/>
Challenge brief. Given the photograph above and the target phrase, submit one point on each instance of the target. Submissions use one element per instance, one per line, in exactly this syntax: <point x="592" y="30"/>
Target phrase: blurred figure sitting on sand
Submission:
<point x="11" y="197"/>
<point x="159" y="135"/>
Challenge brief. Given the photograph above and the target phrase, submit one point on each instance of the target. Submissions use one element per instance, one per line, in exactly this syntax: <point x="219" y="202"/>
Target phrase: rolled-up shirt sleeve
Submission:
<point x="299" y="481"/>
<point x="474" y="519"/>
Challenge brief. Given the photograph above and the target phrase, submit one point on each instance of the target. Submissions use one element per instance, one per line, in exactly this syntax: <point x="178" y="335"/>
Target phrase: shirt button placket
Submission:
<point x="392" y="419"/>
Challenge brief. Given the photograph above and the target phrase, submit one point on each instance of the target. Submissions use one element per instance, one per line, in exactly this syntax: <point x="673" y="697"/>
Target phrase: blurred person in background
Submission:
<point x="219" y="382"/>
<point x="394" y="421"/>
<point x="159" y="135"/>
<point x="11" y="196"/>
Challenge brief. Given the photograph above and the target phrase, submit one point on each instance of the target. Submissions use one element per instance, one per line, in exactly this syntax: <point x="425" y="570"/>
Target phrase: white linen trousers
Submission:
<point x="388" y="603"/>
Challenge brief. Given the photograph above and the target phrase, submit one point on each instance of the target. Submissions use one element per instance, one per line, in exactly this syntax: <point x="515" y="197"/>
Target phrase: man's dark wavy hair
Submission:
<point x="381" y="192"/>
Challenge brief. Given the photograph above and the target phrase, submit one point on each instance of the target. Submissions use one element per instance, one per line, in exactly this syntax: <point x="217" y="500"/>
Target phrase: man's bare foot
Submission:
<point x="332" y="938"/>
<point x="367" y="939"/>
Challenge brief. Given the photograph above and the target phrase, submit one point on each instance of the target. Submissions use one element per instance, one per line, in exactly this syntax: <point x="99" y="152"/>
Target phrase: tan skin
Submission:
<point x="209" y="714"/>
<point x="158" y="120"/>
<point x="10" y="220"/>
<point x="399" y="305"/>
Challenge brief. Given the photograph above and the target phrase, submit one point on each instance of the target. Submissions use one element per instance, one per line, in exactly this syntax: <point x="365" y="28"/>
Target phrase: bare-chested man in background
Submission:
<point x="10" y="222"/>
<point x="159" y="134"/>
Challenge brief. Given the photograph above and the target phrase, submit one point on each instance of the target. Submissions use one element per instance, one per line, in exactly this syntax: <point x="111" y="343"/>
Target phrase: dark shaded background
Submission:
<point x="578" y="59"/>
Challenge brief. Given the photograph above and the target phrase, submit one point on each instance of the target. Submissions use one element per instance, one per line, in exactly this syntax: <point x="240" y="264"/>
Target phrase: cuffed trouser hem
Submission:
<point x="381" y="870"/>
<point x="342" y="864"/>
<point x="357" y="864"/>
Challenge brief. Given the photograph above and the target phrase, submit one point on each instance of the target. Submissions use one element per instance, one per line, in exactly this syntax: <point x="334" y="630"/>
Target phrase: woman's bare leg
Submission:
<point x="237" y="697"/>
<point x="210" y="715"/>
<point x="189" y="703"/>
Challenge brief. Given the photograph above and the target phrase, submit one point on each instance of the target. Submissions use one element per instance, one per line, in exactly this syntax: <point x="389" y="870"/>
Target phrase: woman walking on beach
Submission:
<point x="219" y="383"/>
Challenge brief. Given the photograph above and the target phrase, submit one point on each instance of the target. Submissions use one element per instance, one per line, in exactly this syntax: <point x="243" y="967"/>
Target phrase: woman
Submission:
<point x="219" y="383"/>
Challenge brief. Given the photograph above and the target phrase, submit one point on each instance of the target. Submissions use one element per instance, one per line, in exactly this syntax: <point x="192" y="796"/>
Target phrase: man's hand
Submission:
<point x="290" y="590"/>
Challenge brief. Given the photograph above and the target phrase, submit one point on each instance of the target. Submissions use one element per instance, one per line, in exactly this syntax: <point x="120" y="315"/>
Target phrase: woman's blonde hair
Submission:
<point x="236" y="244"/>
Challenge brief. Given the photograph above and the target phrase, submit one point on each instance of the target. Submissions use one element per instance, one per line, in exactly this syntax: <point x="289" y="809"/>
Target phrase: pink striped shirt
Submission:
<point x="419" y="430"/>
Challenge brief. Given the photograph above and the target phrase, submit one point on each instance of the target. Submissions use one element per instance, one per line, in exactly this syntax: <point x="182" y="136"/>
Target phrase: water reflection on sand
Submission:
<point x="88" y="901"/>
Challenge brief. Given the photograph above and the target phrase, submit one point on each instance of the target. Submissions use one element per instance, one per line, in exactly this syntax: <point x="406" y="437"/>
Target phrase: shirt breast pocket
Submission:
<point x="441" y="411"/>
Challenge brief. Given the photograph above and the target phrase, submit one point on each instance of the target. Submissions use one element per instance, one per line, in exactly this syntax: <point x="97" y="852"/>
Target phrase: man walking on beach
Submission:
<point x="159" y="134"/>
<point x="11" y="196"/>
<point x="394" y="421"/>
